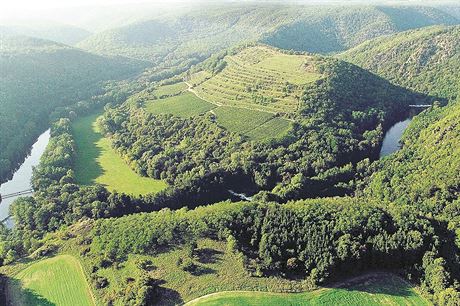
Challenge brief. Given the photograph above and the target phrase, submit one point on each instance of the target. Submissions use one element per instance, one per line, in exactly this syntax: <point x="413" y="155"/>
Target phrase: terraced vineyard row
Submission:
<point x="258" y="78"/>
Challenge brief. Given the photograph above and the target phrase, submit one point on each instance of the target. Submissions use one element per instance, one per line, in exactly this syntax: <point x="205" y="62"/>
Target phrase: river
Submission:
<point x="391" y="140"/>
<point x="22" y="177"/>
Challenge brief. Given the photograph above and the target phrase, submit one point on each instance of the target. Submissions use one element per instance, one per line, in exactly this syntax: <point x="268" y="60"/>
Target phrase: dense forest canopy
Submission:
<point x="426" y="60"/>
<point x="197" y="33"/>
<point x="39" y="76"/>
<point x="61" y="33"/>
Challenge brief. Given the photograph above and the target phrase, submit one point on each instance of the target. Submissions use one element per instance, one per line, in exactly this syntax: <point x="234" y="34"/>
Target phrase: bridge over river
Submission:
<point x="16" y="194"/>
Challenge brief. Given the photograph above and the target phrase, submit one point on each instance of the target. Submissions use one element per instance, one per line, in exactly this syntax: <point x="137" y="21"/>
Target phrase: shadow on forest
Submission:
<point x="28" y="296"/>
<point x="199" y="270"/>
<point x="377" y="283"/>
<point x="167" y="296"/>
<point x="208" y="255"/>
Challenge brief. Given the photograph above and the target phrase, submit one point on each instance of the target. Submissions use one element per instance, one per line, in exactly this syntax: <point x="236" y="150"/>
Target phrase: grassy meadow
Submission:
<point x="98" y="163"/>
<point x="170" y="90"/>
<point x="185" y="105"/>
<point x="379" y="289"/>
<point x="56" y="281"/>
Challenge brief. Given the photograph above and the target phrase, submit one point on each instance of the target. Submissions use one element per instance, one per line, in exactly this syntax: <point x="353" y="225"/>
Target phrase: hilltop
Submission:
<point x="259" y="91"/>
<point x="199" y="33"/>
<point x="41" y="76"/>
<point x="426" y="60"/>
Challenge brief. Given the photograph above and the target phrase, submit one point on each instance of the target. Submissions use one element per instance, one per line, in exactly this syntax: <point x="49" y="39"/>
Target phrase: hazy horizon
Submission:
<point x="81" y="12"/>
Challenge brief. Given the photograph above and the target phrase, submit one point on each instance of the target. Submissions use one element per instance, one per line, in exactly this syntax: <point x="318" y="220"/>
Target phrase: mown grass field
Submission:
<point x="258" y="78"/>
<point x="98" y="163"/>
<point x="185" y="105"/>
<point x="169" y="90"/>
<point x="55" y="281"/>
<point x="380" y="289"/>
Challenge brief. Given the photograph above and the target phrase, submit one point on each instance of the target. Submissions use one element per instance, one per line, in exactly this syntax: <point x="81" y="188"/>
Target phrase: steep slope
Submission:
<point x="36" y="77"/>
<point x="338" y="29"/>
<point x="426" y="60"/>
<point x="426" y="171"/>
<point x="65" y="34"/>
<point x="307" y="28"/>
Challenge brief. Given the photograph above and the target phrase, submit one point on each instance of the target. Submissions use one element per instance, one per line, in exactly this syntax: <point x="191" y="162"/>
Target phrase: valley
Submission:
<point x="233" y="154"/>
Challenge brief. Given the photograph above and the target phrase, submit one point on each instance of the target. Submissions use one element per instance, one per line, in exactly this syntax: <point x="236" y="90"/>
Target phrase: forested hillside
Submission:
<point x="199" y="33"/>
<point x="426" y="60"/>
<point x="61" y="33"/>
<point x="39" y="76"/>
<point x="426" y="171"/>
<point x="342" y="28"/>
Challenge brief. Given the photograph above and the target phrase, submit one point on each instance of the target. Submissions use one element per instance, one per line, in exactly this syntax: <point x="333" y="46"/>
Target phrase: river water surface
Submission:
<point x="392" y="137"/>
<point x="22" y="177"/>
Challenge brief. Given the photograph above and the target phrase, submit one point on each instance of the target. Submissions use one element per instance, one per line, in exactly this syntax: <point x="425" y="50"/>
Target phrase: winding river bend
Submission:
<point x="392" y="137"/>
<point x="22" y="177"/>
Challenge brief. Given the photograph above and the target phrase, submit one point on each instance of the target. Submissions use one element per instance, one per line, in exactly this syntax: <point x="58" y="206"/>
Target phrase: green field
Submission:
<point x="55" y="281"/>
<point x="98" y="163"/>
<point x="378" y="289"/>
<point x="185" y="105"/>
<point x="170" y="90"/>
<point x="273" y="128"/>
<point x="258" y="78"/>
<point x="251" y="123"/>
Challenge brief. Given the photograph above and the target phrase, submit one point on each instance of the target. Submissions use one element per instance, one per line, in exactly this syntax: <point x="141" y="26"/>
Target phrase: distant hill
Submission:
<point x="200" y="33"/>
<point x="66" y="34"/>
<point x="425" y="60"/>
<point x="340" y="28"/>
<point x="38" y="76"/>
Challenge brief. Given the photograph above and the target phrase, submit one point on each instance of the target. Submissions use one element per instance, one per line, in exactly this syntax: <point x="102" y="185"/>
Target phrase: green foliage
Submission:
<point x="200" y="32"/>
<point x="425" y="60"/>
<point x="326" y="235"/>
<point x="425" y="172"/>
<point x="259" y="78"/>
<point x="41" y="77"/>
<point x="334" y="29"/>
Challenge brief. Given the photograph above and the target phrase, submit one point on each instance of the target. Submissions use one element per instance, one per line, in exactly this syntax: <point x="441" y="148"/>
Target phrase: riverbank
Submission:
<point x="22" y="177"/>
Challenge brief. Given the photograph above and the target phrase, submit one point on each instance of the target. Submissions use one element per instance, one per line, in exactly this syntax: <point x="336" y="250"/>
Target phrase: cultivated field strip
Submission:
<point x="258" y="78"/>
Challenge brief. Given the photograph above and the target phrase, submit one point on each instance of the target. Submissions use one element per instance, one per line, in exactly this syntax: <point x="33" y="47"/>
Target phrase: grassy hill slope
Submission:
<point x="39" y="76"/>
<point x="199" y="33"/>
<point x="426" y="60"/>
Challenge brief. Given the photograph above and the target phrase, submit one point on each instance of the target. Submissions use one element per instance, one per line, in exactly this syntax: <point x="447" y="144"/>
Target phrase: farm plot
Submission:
<point x="258" y="78"/>
<point x="185" y="105"/>
<point x="54" y="281"/>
